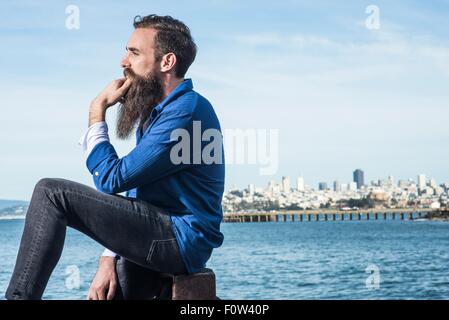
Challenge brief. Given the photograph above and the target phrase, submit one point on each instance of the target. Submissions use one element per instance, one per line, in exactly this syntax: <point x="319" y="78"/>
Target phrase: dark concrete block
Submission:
<point x="196" y="286"/>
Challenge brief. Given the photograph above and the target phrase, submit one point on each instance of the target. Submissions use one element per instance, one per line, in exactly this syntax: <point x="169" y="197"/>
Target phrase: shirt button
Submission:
<point x="96" y="173"/>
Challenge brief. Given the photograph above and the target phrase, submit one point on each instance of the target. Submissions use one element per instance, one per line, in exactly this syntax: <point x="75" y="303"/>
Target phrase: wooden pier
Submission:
<point x="328" y="215"/>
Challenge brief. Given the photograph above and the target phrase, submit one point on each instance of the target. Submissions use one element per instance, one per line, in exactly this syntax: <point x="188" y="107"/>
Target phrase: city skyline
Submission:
<point x="421" y="181"/>
<point x="384" y="193"/>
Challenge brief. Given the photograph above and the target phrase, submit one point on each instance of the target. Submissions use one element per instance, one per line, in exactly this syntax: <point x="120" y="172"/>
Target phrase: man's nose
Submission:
<point x="125" y="62"/>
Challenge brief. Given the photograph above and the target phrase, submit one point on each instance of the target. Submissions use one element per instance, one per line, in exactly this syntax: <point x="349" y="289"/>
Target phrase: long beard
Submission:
<point x="135" y="108"/>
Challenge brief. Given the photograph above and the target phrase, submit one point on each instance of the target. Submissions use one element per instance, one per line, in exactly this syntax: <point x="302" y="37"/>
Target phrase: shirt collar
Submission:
<point x="179" y="90"/>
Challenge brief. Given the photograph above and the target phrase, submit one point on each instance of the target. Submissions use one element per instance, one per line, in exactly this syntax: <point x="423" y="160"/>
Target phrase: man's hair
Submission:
<point x="172" y="36"/>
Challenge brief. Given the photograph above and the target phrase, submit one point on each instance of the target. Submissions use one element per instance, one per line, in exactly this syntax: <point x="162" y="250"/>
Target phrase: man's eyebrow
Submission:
<point x="132" y="49"/>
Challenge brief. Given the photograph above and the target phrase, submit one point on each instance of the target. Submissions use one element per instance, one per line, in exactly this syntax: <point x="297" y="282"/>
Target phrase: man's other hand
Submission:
<point x="108" y="97"/>
<point x="112" y="93"/>
<point x="104" y="284"/>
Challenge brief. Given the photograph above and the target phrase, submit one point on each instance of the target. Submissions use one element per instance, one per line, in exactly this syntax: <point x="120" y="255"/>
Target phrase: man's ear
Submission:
<point x="168" y="62"/>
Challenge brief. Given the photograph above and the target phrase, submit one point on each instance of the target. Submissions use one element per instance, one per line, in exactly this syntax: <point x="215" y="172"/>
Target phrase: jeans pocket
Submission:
<point x="164" y="256"/>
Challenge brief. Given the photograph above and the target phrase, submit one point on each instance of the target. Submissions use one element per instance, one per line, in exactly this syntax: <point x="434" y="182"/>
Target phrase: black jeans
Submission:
<point x="136" y="230"/>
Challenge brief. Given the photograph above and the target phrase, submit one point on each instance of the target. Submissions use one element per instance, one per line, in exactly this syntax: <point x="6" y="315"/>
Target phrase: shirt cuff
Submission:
<point x="95" y="134"/>
<point x="109" y="253"/>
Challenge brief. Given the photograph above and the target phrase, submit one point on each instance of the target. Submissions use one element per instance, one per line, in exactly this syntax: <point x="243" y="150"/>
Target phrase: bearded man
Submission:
<point x="169" y="219"/>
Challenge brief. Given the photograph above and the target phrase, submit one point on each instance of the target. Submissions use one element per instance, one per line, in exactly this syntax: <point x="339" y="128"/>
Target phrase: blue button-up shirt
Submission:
<point x="191" y="192"/>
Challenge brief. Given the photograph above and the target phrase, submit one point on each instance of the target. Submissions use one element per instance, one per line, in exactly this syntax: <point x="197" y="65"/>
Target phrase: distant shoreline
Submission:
<point x="438" y="216"/>
<point x="438" y="219"/>
<point x="12" y="217"/>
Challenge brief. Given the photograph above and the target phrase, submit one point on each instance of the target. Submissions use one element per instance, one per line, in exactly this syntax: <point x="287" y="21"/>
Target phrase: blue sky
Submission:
<point x="342" y="96"/>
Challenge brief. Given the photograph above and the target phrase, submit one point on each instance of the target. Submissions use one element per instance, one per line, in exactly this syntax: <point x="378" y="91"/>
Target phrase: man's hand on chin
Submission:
<point x="104" y="284"/>
<point x="108" y="97"/>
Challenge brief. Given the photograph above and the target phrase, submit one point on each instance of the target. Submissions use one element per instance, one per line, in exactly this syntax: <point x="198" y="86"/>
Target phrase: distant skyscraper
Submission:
<point x="433" y="183"/>
<point x="274" y="187"/>
<point x="337" y="186"/>
<point x="352" y="186"/>
<point x="421" y="181"/>
<point x="322" y="186"/>
<point x="391" y="180"/>
<point x="300" y="183"/>
<point x="251" y="189"/>
<point x="271" y="186"/>
<point x="359" y="178"/>
<point x="286" y="184"/>
<point x="404" y="184"/>
<point x="384" y="182"/>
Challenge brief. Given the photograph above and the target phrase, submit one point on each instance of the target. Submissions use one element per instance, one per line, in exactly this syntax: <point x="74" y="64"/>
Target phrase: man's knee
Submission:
<point x="49" y="193"/>
<point x="51" y="188"/>
<point x="50" y="184"/>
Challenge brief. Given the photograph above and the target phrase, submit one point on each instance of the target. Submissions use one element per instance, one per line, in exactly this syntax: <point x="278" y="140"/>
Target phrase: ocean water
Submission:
<point x="287" y="260"/>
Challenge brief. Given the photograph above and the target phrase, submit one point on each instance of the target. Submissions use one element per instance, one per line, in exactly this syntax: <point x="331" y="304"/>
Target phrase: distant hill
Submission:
<point x="13" y="208"/>
<point x="11" y="203"/>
